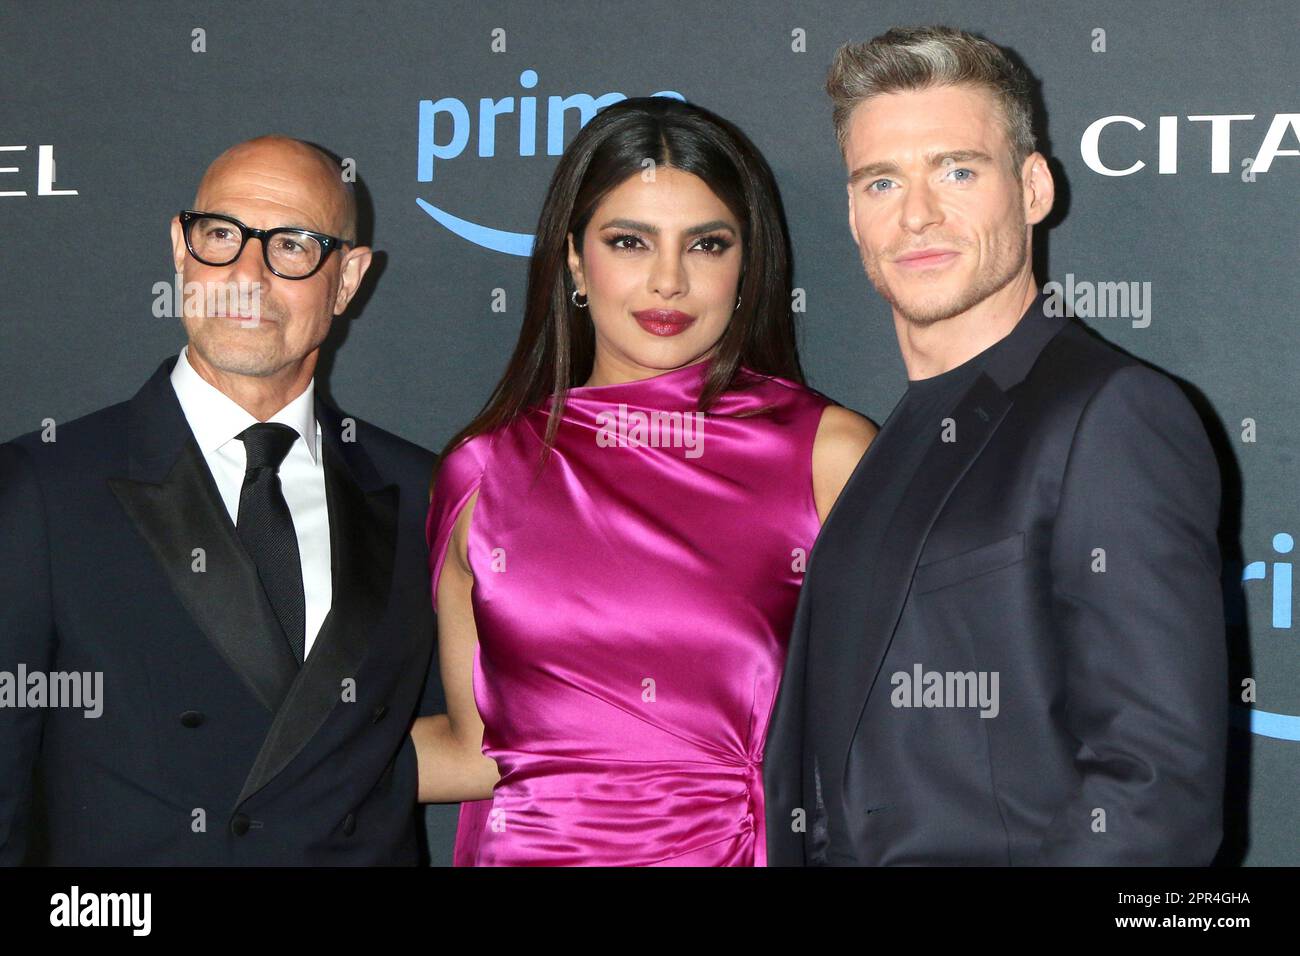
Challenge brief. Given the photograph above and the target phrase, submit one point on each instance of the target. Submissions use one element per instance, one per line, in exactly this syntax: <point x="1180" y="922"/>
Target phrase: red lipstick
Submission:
<point x="663" y="321"/>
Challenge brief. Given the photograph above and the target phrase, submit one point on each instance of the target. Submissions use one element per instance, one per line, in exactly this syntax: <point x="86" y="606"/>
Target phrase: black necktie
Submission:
<point x="266" y="528"/>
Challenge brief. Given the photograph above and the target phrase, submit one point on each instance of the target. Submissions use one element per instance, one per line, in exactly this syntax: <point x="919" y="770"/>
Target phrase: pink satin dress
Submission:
<point x="633" y="606"/>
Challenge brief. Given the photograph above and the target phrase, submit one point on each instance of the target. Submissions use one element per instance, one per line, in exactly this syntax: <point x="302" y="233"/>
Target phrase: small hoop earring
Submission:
<point x="574" y="297"/>
<point x="737" y="306"/>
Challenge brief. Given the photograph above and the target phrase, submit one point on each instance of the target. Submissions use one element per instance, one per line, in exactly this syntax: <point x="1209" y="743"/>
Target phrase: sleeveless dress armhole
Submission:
<point x="457" y="479"/>
<point x="807" y="408"/>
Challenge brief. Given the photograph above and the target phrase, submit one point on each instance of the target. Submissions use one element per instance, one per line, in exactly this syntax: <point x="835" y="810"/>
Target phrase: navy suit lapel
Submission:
<point x="976" y="416"/>
<point x="827" y="699"/>
<point x="841" y="684"/>
<point x="852" y="670"/>
<point x="170" y="497"/>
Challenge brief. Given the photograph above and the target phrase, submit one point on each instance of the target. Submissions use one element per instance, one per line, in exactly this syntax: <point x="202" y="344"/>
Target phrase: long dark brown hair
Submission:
<point x="557" y="343"/>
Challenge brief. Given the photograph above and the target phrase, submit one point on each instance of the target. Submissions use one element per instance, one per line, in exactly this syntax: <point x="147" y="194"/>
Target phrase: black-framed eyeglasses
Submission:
<point x="289" y="252"/>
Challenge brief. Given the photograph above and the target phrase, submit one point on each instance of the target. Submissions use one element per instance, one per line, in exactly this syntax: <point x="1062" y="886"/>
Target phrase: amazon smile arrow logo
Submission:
<point x="498" y="240"/>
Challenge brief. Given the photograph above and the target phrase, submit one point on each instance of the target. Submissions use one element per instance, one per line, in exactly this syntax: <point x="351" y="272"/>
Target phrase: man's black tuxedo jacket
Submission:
<point x="213" y="747"/>
<point x="1109" y="744"/>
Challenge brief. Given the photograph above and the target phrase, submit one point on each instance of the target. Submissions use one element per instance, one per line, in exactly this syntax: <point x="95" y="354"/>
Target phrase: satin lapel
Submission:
<point x="174" y="504"/>
<point x="977" y="415"/>
<point x="363" y="538"/>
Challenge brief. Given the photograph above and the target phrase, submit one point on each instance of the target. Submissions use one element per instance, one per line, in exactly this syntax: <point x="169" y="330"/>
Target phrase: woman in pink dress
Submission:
<point x="618" y="539"/>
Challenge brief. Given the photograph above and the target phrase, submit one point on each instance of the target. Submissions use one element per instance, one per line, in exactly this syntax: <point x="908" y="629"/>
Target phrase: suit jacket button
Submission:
<point x="191" y="719"/>
<point x="380" y="712"/>
<point x="350" y="824"/>
<point x="239" y="824"/>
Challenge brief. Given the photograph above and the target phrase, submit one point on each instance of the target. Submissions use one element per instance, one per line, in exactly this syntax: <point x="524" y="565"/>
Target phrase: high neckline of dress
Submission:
<point x="678" y="386"/>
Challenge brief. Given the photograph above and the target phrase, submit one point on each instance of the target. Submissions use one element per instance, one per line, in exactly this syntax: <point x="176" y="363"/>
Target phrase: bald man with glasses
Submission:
<point x="242" y="565"/>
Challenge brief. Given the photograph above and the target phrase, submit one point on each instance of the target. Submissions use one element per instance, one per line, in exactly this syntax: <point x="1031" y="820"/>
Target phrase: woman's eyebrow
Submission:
<point x="654" y="230"/>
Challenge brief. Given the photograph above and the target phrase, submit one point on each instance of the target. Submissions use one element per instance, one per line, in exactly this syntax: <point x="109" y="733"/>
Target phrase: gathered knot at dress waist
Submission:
<point x="565" y="810"/>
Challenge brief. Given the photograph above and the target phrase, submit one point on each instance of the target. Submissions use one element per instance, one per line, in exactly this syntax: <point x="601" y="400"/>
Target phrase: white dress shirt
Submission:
<point x="215" y="420"/>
